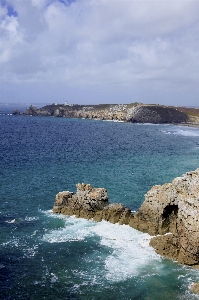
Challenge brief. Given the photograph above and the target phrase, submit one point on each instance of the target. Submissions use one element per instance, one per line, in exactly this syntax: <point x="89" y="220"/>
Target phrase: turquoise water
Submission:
<point x="45" y="256"/>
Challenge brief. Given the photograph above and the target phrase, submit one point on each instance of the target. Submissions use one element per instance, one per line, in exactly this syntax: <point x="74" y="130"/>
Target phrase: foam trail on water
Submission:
<point x="75" y="229"/>
<point x="130" y="251"/>
<point x="181" y="130"/>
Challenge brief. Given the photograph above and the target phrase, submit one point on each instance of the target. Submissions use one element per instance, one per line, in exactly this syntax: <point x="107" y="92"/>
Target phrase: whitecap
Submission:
<point x="53" y="278"/>
<point x="182" y="131"/>
<point x="30" y="219"/>
<point x="148" y="124"/>
<point x="10" y="221"/>
<point x="129" y="253"/>
<point x="2" y="266"/>
<point x="131" y="250"/>
<point x="187" y="132"/>
<point x="76" y="229"/>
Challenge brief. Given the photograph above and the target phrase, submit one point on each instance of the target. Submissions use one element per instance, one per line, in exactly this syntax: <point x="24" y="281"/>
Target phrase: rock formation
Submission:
<point x="33" y="111"/>
<point x="89" y="203"/>
<point x="16" y="112"/>
<point x="171" y="213"/>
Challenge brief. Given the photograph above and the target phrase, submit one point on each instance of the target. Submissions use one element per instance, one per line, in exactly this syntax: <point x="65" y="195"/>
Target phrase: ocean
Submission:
<point x="48" y="256"/>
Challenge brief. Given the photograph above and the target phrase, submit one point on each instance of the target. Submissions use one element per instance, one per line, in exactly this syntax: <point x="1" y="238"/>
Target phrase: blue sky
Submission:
<point x="99" y="51"/>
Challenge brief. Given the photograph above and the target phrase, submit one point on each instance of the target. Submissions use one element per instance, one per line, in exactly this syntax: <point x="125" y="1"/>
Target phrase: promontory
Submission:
<point x="134" y="112"/>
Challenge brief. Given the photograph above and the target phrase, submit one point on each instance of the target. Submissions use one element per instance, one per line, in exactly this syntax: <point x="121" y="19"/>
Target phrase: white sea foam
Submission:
<point x="181" y="130"/>
<point x="116" y="121"/>
<point x="193" y="132"/>
<point x="148" y="124"/>
<point x="129" y="253"/>
<point x="131" y="250"/>
<point x="54" y="278"/>
<point x="75" y="230"/>
<point x="10" y="221"/>
<point x="30" y="219"/>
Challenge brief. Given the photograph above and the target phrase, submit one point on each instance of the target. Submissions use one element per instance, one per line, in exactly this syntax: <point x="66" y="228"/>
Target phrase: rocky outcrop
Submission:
<point x="33" y="111"/>
<point x="16" y="112"/>
<point x="89" y="202"/>
<point x="171" y="212"/>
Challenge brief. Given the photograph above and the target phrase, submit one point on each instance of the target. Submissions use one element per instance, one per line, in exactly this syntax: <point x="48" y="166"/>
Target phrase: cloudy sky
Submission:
<point x="99" y="51"/>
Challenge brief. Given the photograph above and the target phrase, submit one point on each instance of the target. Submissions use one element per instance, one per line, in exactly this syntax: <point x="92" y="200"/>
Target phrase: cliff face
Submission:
<point x="136" y="113"/>
<point x="155" y="114"/>
<point x="171" y="212"/>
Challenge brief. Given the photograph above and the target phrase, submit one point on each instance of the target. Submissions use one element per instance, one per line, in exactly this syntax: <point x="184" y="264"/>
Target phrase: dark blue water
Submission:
<point x="45" y="256"/>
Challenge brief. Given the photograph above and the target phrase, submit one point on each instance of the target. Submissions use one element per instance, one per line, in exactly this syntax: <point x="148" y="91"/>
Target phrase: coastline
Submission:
<point x="65" y="246"/>
<point x="188" y="125"/>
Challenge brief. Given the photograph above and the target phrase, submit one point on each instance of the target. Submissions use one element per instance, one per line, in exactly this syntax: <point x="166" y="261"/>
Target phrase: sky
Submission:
<point x="99" y="51"/>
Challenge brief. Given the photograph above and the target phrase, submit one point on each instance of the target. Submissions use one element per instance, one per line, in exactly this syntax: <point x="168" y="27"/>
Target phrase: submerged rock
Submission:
<point x="89" y="202"/>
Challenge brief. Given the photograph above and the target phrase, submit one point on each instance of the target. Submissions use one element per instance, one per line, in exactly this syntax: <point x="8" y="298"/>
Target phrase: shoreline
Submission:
<point x="193" y="125"/>
<point x="188" y="125"/>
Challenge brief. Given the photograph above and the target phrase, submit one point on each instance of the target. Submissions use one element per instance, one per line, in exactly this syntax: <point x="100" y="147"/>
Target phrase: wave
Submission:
<point x="129" y="253"/>
<point x="182" y="131"/>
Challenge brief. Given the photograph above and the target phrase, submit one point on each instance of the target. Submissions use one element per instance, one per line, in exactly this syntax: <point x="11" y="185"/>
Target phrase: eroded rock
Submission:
<point x="195" y="288"/>
<point x="171" y="212"/>
<point x="89" y="202"/>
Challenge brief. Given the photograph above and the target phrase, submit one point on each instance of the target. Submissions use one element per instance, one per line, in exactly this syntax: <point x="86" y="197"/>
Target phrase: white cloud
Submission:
<point x="101" y="43"/>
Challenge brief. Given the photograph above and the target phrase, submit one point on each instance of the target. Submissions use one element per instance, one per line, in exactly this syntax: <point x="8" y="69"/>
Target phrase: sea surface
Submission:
<point x="48" y="256"/>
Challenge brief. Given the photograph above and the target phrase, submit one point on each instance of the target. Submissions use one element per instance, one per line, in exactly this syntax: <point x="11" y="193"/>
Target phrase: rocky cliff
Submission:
<point x="155" y="114"/>
<point x="170" y="213"/>
<point x="134" y="112"/>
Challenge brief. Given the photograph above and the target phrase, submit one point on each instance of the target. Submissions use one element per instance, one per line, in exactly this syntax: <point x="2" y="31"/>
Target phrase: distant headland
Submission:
<point x="134" y="112"/>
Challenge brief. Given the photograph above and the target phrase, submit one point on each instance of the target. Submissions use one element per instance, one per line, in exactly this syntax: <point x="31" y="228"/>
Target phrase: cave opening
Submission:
<point x="169" y="219"/>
